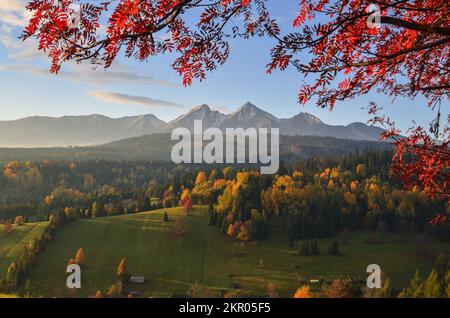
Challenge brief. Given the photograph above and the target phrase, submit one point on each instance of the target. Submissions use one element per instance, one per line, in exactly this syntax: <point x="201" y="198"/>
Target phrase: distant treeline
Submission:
<point x="314" y="197"/>
<point x="158" y="147"/>
<point x="35" y="189"/>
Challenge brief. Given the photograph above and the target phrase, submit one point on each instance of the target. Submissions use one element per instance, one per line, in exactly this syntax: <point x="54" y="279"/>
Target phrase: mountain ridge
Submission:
<point x="97" y="129"/>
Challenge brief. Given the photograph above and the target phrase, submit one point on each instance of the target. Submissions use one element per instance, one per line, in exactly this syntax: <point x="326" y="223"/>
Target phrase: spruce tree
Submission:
<point x="212" y="214"/>
<point x="431" y="287"/>
<point x="386" y="289"/>
<point x="291" y="234"/>
<point x="442" y="265"/>
<point x="334" y="248"/>
<point x="147" y="204"/>
<point x="12" y="275"/>
<point x="315" y="248"/>
<point x="415" y="289"/>
<point x="304" y="249"/>
<point x="291" y="239"/>
<point x="447" y="285"/>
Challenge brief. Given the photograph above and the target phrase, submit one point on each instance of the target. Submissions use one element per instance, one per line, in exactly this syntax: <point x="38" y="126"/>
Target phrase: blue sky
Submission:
<point x="133" y="88"/>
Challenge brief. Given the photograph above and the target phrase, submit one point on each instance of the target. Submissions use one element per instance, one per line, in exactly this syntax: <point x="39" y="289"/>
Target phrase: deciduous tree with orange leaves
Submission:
<point x="122" y="271"/>
<point x="201" y="177"/>
<point x="186" y="201"/>
<point x="399" y="48"/>
<point x="338" y="288"/>
<point x="80" y="257"/>
<point x="7" y="226"/>
<point x="303" y="292"/>
<point x="19" y="220"/>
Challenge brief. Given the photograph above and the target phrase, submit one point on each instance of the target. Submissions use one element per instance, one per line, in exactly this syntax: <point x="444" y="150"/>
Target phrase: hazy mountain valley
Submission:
<point x="89" y="130"/>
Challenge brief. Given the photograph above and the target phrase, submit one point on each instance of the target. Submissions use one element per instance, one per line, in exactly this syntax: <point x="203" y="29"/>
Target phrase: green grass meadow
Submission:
<point x="12" y="244"/>
<point x="172" y="263"/>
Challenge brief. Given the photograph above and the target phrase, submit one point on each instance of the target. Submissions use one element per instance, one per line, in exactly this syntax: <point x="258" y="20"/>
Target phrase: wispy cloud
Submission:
<point x="23" y="54"/>
<point x="12" y="5"/>
<point x="14" y="12"/>
<point x="117" y="74"/>
<point x="82" y="73"/>
<point x="125" y="99"/>
<point x="18" y="49"/>
<point x="14" y="17"/>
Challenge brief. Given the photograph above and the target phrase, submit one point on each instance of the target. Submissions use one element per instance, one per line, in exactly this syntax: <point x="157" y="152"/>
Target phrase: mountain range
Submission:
<point x="97" y="129"/>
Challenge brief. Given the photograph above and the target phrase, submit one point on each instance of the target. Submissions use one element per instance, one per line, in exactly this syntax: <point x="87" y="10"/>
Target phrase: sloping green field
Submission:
<point x="172" y="263"/>
<point x="13" y="243"/>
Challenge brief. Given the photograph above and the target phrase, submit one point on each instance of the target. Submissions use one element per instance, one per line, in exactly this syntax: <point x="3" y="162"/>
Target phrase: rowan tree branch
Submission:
<point x="412" y="25"/>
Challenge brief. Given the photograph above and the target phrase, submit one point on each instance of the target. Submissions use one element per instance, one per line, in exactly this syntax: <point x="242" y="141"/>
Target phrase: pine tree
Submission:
<point x="315" y="248"/>
<point x="441" y="265"/>
<point x="291" y="241"/>
<point x="147" y="204"/>
<point x="334" y="248"/>
<point x="447" y="285"/>
<point x="12" y="275"/>
<point x="386" y="289"/>
<point x="415" y="289"/>
<point x="212" y="214"/>
<point x="431" y="287"/>
<point x="304" y="249"/>
<point x="20" y="272"/>
<point x="291" y="233"/>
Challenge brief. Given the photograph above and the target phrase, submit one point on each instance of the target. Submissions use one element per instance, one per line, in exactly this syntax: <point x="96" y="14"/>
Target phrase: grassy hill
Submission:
<point x="172" y="263"/>
<point x="13" y="243"/>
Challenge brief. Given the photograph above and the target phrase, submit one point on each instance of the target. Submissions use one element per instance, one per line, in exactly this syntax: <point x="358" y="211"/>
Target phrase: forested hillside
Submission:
<point x="158" y="147"/>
